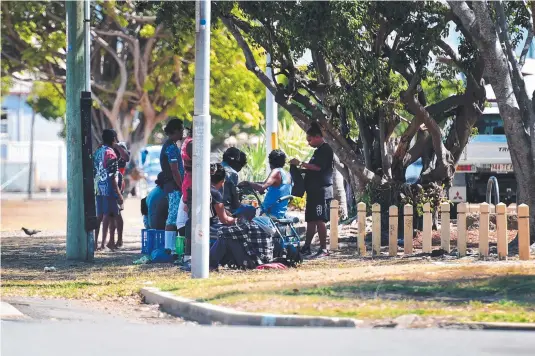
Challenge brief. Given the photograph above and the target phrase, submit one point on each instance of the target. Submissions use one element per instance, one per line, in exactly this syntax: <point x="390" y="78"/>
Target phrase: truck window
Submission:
<point x="490" y="124"/>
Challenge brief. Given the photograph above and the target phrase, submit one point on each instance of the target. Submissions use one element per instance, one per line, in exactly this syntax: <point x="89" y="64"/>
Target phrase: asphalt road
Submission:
<point x="58" y="328"/>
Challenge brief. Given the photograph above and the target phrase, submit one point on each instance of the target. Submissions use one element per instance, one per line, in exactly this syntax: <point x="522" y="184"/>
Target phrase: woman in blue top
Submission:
<point x="277" y="185"/>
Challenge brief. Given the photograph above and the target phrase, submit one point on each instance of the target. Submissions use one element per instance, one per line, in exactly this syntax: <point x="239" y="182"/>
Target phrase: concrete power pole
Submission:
<point x="272" y="123"/>
<point x="200" y="212"/>
<point x="78" y="240"/>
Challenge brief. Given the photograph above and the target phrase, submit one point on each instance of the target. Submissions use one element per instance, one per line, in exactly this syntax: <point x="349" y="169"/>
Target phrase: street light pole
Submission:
<point x="30" y="172"/>
<point x="200" y="212"/>
<point x="271" y="117"/>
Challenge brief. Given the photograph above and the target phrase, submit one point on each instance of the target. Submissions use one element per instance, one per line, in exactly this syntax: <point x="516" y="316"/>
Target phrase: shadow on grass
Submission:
<point x="520" y="288"/>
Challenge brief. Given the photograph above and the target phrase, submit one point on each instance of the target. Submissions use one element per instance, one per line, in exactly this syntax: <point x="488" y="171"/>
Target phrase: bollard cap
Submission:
<point x="334" y="203"/>
<point x="445" y="207"/>
<point x="484" y="208"/>
<point x="501" y="208"/>
<point x="407" y="209"/>
<point x="427" y="208"/>
<point x="523" y="211"/>
<point x="361" y="206"/>
<point x="393" y="210"/>
<point x="461" y="208"/>
<point x="376" y="208"/>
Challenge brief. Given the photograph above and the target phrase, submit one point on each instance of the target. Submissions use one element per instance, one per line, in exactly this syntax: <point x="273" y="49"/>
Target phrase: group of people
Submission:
<point x="109" y="165"/>
<point x="168" y="206"/>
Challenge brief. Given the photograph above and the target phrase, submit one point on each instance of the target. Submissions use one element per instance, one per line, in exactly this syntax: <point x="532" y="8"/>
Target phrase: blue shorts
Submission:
<point x="174" y="203"/>
<point x="107" y="205"/>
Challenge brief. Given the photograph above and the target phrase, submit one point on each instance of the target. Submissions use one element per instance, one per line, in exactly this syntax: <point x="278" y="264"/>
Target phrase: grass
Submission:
<point x="339" y="286"/>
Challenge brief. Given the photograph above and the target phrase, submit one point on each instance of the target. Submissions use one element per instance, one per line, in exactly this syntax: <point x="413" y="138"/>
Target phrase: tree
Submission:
<point x="140" y="76"/>
<point x="494" y="29"/>
<point x="369" y="61"/>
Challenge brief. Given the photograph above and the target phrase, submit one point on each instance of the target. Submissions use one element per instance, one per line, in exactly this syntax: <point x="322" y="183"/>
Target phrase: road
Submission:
<point x="59" y="328"/>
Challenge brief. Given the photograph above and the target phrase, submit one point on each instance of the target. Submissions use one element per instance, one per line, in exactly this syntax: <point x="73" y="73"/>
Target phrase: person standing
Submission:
<point x="172" y="180"/>
<point x="319" y="189"/>
<point x="107" y="193"/>
<point x="123" y="156"/>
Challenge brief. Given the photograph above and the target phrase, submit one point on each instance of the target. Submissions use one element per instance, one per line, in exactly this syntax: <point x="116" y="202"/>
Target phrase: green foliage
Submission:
<point x="292" y="141"/>
<point x="34" y="39"/>
<point x="48" y="99"/>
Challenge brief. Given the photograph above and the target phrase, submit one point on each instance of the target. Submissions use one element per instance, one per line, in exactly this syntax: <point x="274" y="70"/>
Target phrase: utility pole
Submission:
<point x="78" y="240"/>
<point x="200" y="213"/>
<point x="30" y="172"/>
<point x="271" y="117"/>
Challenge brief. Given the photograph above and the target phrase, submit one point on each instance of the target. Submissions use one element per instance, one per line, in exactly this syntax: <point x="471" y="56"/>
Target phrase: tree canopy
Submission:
<point x="140" y="75"/>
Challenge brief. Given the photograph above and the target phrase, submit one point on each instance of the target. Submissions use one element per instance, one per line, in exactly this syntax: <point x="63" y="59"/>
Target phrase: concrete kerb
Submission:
<point x="205" y="313"/>
<point x="9" y="312"/>
<point x="491" y="326"/>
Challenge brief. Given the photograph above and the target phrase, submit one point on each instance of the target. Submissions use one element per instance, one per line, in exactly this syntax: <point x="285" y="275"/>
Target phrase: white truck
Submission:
<point x="486" y="155"/>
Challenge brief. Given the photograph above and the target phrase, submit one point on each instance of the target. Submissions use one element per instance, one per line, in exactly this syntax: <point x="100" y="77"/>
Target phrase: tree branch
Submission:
<point x="122" y="85"/>
<point x="529" y="39"/>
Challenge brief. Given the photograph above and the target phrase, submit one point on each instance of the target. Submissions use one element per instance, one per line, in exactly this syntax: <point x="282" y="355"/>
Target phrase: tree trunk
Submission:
<point x="480" y="25"/>
<point x="340" y="193"/>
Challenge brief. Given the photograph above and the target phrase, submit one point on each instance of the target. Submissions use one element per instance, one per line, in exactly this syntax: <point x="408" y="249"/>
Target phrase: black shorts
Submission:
<point x="318" y="208"/>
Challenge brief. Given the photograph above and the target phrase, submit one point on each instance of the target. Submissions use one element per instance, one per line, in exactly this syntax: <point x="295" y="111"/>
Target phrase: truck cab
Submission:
<point x="485" y="155"/>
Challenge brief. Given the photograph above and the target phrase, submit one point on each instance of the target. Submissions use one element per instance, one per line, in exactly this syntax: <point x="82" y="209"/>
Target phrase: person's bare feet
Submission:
<point x="119" y="244"/>
<point x="111" y="246"/>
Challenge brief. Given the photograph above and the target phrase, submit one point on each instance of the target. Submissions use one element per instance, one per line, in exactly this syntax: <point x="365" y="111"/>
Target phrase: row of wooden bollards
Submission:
<point x="484" y="221"/>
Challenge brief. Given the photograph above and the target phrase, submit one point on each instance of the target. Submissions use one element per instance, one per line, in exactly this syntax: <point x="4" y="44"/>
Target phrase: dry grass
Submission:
<point x="343" y="285"/>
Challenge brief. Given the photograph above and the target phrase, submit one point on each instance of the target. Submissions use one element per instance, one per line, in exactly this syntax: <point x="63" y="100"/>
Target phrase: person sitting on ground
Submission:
<point x="145" y="213"/>
<point x="233" y="162"/>
<point x="218" y="213"/>
<point x="157" y="204"/>
<point x="277" y="185"/>
<point x="243" y="245"/>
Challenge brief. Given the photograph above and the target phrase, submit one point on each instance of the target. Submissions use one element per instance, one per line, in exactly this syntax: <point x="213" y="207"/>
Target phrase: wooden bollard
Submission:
<point x="523" y="232"/>
<point x="445" y="226"/>
<point x="334" y="225"/>
<point x="361" y="216"/>
<point x="484" y="229"/>
<point x="376" y="230"/>
<point x="501" y="230"/>
<point x="408" y="231"/>
<point x="461" y="229"/>
<point x="393" y="231"/>
<point x="428" y="226"/>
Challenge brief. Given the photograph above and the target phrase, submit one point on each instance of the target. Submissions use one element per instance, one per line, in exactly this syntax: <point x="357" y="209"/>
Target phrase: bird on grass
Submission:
<point x="30" y="232"/>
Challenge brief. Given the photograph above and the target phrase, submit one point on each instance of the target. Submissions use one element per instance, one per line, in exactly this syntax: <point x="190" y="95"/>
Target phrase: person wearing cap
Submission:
<point x="157" y="205"/>
<point x="171" y="178"/>
<point x="107" y="193"/>
<point x="233" y="162"/>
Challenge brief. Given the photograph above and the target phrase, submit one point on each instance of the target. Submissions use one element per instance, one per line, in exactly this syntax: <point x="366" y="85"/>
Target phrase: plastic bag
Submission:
<point x="265" y="224"/>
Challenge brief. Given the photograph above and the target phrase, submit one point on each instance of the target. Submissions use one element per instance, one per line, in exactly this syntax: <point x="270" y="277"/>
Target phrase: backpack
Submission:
<point x="298" y="190"/>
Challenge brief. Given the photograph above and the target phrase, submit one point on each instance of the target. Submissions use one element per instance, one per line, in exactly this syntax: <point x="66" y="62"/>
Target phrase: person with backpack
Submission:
<point x="319" y="189"/>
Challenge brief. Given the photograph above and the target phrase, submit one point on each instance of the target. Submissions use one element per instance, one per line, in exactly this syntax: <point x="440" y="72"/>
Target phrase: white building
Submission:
<point x="50" y="155"/>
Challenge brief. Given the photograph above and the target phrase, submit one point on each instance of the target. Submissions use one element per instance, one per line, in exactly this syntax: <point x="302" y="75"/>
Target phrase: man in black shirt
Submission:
<point x="319" y="189"/>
